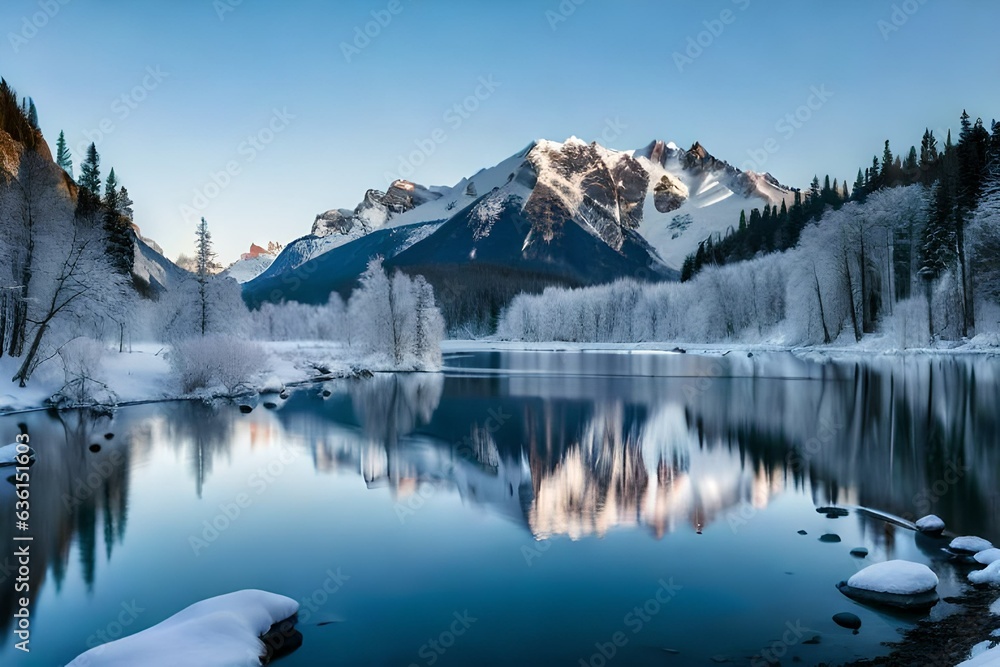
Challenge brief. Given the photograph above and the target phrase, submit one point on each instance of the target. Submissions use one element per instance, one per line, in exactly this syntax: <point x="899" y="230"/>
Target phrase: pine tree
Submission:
<point x="125" y="204"/>
<point x="90" y="172"/>
<point x="204" y="261"/>
<point x="63" y="157"/>
<point x="118" y="228"/>
<point x="911" y="167"/>
<point x="859" y="187"/>
<point x="886" y="175"/>
<point x="33" y="114"/>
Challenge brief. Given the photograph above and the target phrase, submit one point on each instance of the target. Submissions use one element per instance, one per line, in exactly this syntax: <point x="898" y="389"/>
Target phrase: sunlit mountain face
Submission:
<point x="535" y="454"/>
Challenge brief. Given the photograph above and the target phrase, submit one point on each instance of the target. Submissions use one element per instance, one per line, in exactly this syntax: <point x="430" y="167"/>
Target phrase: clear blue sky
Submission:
<point x="223" y="78"/>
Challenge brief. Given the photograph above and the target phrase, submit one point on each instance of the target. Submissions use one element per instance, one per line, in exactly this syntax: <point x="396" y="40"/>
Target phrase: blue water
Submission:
<point x="520" y="509"/>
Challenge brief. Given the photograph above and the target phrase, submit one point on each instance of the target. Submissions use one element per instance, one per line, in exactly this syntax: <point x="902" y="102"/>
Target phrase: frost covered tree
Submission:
<point x="395" y="319"/>
<point x="204" y="260"/>
<point x="197" y="308"/>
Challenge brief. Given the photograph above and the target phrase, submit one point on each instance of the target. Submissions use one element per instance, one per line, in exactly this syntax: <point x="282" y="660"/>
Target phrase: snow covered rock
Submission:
<point x="895" y="583"/>
<point x="987" y="557"/>
<point x="217" y="632"/>
<point x="931" y="525"/>
<point x="990" y="576"/>
<point x="969" y="545"/>
<point x="8" y="455"/>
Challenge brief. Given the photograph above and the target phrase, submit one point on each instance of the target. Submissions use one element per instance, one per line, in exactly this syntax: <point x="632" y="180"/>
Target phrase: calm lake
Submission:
<point x="522" y="508"/>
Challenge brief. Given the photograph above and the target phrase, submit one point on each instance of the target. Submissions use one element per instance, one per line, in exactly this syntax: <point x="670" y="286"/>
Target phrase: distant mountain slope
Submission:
<point x="155" y="270"/>
<point x="566" y="213"/>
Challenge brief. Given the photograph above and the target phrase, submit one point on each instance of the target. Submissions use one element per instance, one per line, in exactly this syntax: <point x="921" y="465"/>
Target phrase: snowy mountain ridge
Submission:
<point x="530" y="216"/>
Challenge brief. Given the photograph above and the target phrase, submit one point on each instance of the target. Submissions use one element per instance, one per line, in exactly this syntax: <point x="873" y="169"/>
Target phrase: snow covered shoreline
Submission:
<point x="145" y="376"/>
<point x="867" y="349"/>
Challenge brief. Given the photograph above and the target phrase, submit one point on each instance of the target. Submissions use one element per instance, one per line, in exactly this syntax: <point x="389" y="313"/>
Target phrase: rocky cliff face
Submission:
<point x="375" y="211"/>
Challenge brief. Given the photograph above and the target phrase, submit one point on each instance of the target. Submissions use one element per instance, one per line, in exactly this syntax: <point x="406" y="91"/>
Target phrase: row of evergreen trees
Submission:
<point x="775" y="229"/>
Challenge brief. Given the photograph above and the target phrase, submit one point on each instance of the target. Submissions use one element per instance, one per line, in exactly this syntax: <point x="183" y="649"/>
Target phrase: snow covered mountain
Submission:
<point x="567" y="213"/>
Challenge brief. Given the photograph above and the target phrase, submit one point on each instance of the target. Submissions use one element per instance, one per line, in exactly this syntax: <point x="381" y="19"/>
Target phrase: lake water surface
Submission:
<point x="523" y="508"/>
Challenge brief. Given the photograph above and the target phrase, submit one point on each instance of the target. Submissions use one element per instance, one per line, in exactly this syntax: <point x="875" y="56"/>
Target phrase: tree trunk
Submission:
<point x="24" y="372"/>
<point x="850" y="294"/>
<point x="822" y="312"/>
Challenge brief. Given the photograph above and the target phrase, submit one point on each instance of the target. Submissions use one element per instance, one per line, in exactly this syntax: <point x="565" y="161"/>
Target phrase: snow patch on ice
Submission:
<point x="897" y="577"/>
<point x="220" y="631"/>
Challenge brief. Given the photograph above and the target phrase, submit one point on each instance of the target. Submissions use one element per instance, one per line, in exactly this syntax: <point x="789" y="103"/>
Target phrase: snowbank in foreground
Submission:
<point x="990" y="658"/>
<point x="217" y="632"/>
<point x="897" y="577"/>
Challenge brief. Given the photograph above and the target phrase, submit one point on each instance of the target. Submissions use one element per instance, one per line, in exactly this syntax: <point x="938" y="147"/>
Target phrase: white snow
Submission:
<point x="990" y="576"/>
<point x="930" y="524"/>
<point x="995" y="608"/>
<point x="988" y="557"/>
<point x="970" y="544"/>
<point x="990" y="658"/>
<point x="245" y="270"/>
<point x="220" y="631"/>
<point x="898" y="577"/>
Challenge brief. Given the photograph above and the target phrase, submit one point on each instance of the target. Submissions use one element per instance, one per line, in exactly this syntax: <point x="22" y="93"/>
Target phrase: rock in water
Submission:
<point x="987" y="557"/>
<point x="830" y="538"/>
<point x="896" y="583"/>
<point x="969" y="545"/>
<point x="847" y="620"/>
<point x="990" y="576"/>
<point x="833" y="512"/>
<point x="802" y="532"/>
<point x="860" y="552"/>
<point x="246" y="409"/>
<point x="931" y="525"/>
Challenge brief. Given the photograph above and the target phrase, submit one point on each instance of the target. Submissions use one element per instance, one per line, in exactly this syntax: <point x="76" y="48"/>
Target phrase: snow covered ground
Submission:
<point x="144" y="374"/>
